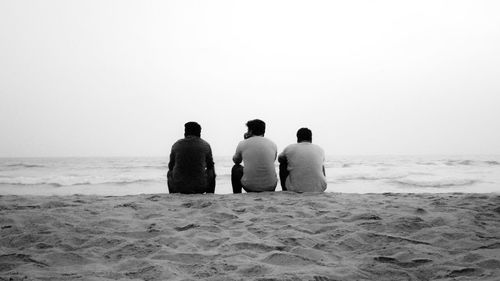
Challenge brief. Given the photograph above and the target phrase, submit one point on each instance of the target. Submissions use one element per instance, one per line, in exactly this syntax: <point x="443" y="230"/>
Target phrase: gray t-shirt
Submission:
<point x="305" y="166"/>
<point x="258" y="155"/>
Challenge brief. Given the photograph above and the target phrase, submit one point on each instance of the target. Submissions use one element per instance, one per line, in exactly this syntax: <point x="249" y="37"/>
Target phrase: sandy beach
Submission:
<point x="268" y="236"/>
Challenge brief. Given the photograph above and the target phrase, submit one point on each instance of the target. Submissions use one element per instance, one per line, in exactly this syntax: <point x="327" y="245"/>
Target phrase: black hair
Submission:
<point x="192" y="129"/>
<point x="304" y="134"/>
<point x="257" y="126"/>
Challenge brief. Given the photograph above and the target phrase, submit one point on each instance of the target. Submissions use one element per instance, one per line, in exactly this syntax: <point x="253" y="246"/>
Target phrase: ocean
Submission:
<point x="346" y="174"/>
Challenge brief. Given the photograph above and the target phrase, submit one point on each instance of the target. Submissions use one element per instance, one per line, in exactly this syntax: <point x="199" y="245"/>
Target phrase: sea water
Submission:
<point x="347" y="174"/>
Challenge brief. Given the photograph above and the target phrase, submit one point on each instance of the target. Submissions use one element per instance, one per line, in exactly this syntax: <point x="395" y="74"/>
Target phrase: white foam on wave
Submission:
<point x="436" y="183"/>
<point x="33" y="182"/>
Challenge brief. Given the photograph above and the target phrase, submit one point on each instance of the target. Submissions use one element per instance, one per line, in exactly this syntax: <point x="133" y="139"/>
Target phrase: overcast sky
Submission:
<point x="120" y="78"/>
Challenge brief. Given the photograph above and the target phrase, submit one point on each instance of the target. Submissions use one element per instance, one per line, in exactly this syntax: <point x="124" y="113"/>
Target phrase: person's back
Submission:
<point x="191" y="166"/>
<point x="258" y="155"/>
<point x="304" y="164"/>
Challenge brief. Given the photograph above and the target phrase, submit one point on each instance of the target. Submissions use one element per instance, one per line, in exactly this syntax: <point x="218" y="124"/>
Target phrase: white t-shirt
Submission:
<point x="258" y="155"/>
<point x="305" y="166"/>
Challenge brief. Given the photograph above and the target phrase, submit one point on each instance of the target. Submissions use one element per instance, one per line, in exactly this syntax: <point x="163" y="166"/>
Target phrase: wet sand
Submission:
<point x="266" y="236"/>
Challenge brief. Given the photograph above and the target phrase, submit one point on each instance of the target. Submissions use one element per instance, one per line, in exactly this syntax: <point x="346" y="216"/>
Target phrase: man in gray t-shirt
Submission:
<point x="302" y="165"/>
<point x="191" y="166"/>
<point x="258" y="155"/>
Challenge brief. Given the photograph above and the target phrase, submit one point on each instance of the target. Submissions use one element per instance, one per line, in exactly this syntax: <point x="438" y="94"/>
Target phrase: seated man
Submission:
<point x="302" y="165"/>
<point x="258" y="155"/>
<point x="191" y="166"/>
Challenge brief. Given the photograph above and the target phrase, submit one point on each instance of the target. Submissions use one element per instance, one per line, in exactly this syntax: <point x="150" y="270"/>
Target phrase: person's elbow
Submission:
<point x="210" y="164"/>
<point x="281" y="159"/>
<point x="237" y="159"/>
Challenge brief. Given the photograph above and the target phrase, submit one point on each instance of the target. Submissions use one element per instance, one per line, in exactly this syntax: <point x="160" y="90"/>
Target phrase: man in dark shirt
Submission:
<point x="191" y="166"/>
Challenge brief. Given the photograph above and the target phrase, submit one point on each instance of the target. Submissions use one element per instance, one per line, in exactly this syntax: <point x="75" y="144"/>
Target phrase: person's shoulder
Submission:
<point x="267" y="140"/>
<point x="243" y="142"/>
<point x="319" y="148"/>
<point x="204" y="141"/>
<point x="271" y="143"/>
<point x="241" y="145"/>
<point x="289" y="148"/>
<point x="295" y="145"/>
<point x="178" y="142"/>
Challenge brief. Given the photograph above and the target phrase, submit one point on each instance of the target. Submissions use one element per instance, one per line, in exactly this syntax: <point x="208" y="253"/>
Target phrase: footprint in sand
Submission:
<point x="210" y="244"/>
<point x="186" y="227"/>
<point x="102" y="242"/>
<point x="140" y="249"/>
<point x="420" y="211"/>
<point x="199" y="204"/>
<point x="468" y="271"/>
<point x="489" y="264"/>
<point x="323" y="278"/>
<point x="254" y="270"/>
<point x="186" y="258"/>
<point x="146" y="273"/>
<point x="408" y="264"/>
<point x="65" y="259"/>
<point x="256" y="247"/>
<point x="128" y="205"/>
<point x="364" y="216"/>
<point x="284" y="259"/>
<point x="11" y="261"/>
<point x="222" y="217"/>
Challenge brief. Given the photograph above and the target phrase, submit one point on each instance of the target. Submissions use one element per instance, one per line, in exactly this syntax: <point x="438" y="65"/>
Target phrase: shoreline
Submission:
<point x="251" y="236"/>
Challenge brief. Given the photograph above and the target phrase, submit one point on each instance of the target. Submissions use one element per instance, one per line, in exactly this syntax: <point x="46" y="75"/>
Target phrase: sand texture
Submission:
<point x="267" y="236"/>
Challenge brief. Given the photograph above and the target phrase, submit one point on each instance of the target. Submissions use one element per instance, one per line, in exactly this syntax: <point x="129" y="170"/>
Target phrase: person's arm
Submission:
<point x="210" y="171"/>
<point x="171" y="164"/>
<point x="283" y="170"/>
<point x="323" y="166"/>
<point x="238" y="158"/>
<point x="282" y="157"/>
<point x="209" y="160"/>
<point x="210" y="163"/>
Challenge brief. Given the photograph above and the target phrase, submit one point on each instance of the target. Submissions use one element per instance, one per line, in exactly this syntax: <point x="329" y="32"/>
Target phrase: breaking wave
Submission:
<point x="441" y="183"/>
<point x="59" y="184"/>
<point x="25" y="165"/>
<point x="368" y="177"/>
<point x="471" y="163"/>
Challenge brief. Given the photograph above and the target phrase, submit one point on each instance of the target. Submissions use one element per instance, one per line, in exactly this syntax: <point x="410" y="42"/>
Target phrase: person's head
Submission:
<point x="304" y="134"/>
<point x="256" y="127"/>
<point x="192" y="129"/>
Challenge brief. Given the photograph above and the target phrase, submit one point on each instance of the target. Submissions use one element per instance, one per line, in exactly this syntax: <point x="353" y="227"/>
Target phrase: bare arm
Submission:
<point x="237" y="158"/>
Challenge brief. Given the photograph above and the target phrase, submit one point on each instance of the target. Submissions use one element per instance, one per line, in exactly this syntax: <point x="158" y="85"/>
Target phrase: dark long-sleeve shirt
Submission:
<point x="190" y="162"/>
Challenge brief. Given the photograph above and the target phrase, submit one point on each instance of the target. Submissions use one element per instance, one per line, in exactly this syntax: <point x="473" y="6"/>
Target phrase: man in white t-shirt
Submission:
<point x="258" y="155"/>
<point x="302" y="165"/>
